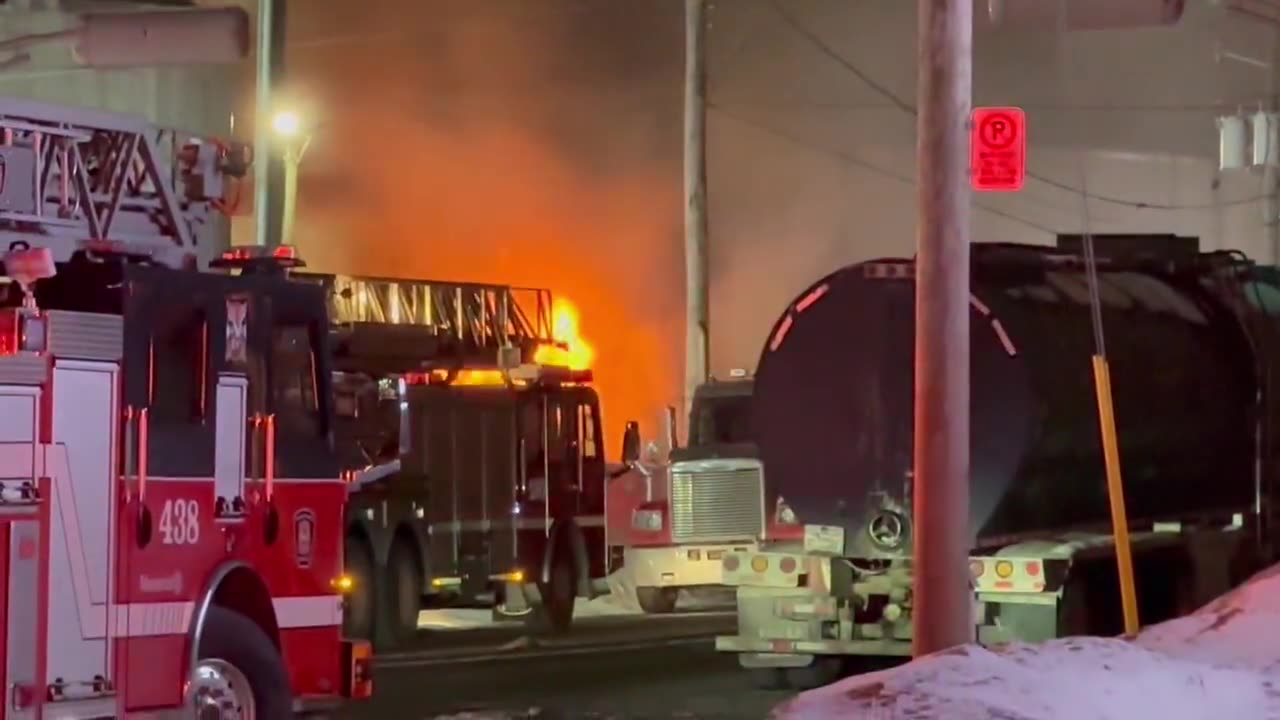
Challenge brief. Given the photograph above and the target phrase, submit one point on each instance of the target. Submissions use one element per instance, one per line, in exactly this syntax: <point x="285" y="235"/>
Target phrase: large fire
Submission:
<point x="572" y="351"/>
<point x="576" y="353"/>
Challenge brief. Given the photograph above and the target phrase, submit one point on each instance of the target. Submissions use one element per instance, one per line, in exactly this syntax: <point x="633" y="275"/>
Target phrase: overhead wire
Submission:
<point x="856" y="161"/>
<point x="907" y="107"/>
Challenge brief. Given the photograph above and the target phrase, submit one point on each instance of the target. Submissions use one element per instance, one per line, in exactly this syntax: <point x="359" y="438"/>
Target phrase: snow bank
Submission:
<point x="1223" y="661"/>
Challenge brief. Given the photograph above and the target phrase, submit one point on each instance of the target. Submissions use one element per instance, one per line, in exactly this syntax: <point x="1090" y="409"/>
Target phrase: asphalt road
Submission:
<point x="627" y="667"/>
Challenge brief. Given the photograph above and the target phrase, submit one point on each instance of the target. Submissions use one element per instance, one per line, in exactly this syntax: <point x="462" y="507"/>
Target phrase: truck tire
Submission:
<point x="404" y="594"/>
<point x="238" y="668"/>
<point x="357" y="618"/>
<point x="767" y="678"/>
<point x="824" y="670"/>
<point x="657" y="600"/>
<point x="553" y="613"/>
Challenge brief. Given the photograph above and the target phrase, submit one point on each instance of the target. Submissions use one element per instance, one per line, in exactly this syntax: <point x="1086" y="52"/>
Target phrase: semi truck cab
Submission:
<point x="709" y="501"/>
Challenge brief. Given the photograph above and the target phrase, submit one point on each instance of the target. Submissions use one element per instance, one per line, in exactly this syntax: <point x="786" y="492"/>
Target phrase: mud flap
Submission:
<point x="20" y="561"/>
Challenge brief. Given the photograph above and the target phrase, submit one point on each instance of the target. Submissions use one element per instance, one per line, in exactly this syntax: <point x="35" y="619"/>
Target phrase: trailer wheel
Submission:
<point x="239" y="674"/>
<point x="824" y="670"/>
<point x="404" y="593"/>
<point x="767" y="678"/>
<point x="657" y="600"/>
<point x="554" y="612"/>
<point x="357" y="620"/>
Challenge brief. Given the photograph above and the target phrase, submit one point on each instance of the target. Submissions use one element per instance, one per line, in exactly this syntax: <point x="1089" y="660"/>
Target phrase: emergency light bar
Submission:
<point x="249" y="258"/>
<point x="523" y="375"/>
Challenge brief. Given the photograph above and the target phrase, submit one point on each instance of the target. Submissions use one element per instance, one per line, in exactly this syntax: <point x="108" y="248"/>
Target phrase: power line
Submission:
<point x="508" y="17"/>
<point x="840" y="106"/>
<point x="910" y="109"/>
<point x="854" y="160"/>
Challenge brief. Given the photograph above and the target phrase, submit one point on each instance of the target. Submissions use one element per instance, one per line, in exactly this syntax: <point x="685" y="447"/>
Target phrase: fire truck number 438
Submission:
<point x="180" y="522"/>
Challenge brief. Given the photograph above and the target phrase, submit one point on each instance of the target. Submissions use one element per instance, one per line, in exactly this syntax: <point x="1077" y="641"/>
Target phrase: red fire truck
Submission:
<point x="170" y="506"/>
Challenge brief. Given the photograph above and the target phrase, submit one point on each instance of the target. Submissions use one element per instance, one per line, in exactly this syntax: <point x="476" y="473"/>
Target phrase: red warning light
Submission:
<point x="998" y="149"/>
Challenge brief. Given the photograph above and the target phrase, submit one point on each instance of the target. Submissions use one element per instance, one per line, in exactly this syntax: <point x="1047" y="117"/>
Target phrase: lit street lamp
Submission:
<point x="297" y="137"/>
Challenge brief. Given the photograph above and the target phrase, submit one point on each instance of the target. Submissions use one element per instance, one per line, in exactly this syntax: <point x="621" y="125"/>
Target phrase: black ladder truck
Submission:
<point x="476" y="472"/>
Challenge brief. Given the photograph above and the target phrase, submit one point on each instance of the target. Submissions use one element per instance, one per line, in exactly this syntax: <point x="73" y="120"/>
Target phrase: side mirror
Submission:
<point x="652" y="454"/>
<point x="631" y="442"/>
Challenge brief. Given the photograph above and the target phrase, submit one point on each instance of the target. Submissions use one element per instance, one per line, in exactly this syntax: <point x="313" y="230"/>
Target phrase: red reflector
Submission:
<point x="1033" y="567"/>
<point x="731" y="562"/>
<point x="358" y="662"/>
<point x="788" y="565"/>
<point x="782" y="646"/>
<point x="811" y="298"/>
<point x="976" y="568"/>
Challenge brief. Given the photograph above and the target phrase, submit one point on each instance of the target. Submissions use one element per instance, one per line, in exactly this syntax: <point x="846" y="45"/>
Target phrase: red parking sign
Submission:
<point x="998" y="149"/>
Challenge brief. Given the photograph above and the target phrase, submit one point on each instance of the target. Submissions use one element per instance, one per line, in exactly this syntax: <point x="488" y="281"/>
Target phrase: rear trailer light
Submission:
<point x="357" y="662"/>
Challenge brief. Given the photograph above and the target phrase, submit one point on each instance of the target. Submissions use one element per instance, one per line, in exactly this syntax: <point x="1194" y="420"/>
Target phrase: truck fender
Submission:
<point x="567" y="531"/>
<point x="253" y="601"/>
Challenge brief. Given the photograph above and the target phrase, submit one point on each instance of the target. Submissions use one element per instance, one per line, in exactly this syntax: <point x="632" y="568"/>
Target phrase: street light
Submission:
<point x="296" y="136"/>
<point x="287" y="124"/>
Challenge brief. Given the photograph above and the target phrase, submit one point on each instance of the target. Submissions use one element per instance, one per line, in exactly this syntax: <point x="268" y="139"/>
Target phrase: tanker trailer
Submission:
<point x="833" y="420"/>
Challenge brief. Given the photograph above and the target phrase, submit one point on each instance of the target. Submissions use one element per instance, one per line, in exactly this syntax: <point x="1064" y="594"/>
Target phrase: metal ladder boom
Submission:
<point x="467" y="319"/>
<point x="82" y="179"/>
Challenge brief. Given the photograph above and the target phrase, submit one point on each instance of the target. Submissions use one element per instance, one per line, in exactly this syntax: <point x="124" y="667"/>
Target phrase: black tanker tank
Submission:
<point x="833" y="409"/>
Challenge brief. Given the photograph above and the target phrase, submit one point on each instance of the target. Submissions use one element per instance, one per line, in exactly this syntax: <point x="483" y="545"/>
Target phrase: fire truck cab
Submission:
<point x="476" y="462"/>
<point x="170" y="504"/>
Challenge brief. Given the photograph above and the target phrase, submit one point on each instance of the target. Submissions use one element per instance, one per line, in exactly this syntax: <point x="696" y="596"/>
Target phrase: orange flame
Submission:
<point x="576" y="353"/>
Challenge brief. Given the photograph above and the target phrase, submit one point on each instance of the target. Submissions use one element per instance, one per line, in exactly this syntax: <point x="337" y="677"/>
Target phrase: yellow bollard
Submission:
<point x="1115" y="490"/>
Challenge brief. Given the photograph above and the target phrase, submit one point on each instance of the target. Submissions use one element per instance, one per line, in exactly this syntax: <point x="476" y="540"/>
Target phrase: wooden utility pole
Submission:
<point x="697" y="324"/>
<point x="943" y="599"/>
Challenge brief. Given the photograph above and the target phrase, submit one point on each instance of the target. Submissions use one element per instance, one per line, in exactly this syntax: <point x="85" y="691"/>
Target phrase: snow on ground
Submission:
<point x="1223" y="661"/>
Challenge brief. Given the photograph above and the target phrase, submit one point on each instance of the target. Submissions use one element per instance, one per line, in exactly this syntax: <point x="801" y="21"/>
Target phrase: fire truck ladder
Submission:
<point x="79" y="179"/>
<point x="423" y="324"/>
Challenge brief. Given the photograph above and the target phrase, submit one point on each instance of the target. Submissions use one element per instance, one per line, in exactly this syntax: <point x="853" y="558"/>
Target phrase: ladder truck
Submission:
<point x="476" y="468"/>
<point x="170" y="505"/>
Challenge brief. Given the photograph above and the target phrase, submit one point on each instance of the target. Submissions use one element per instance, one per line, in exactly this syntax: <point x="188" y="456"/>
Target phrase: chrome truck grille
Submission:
<point x="716" y="503"/>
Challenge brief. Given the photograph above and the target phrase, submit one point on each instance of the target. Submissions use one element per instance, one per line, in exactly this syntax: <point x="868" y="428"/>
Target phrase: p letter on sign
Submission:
<point x="998" y="149"/>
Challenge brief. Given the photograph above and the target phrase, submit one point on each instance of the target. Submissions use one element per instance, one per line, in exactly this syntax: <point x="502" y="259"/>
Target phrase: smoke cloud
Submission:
<point x="492" y="147"/>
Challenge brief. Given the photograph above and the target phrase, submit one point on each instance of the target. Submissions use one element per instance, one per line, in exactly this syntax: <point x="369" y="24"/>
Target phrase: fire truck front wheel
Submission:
<point x="240" y="673"/>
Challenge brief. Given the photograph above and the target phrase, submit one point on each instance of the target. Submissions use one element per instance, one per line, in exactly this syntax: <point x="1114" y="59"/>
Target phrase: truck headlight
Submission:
<point x="646" y="519"/>
<point x="783" y="514"/>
